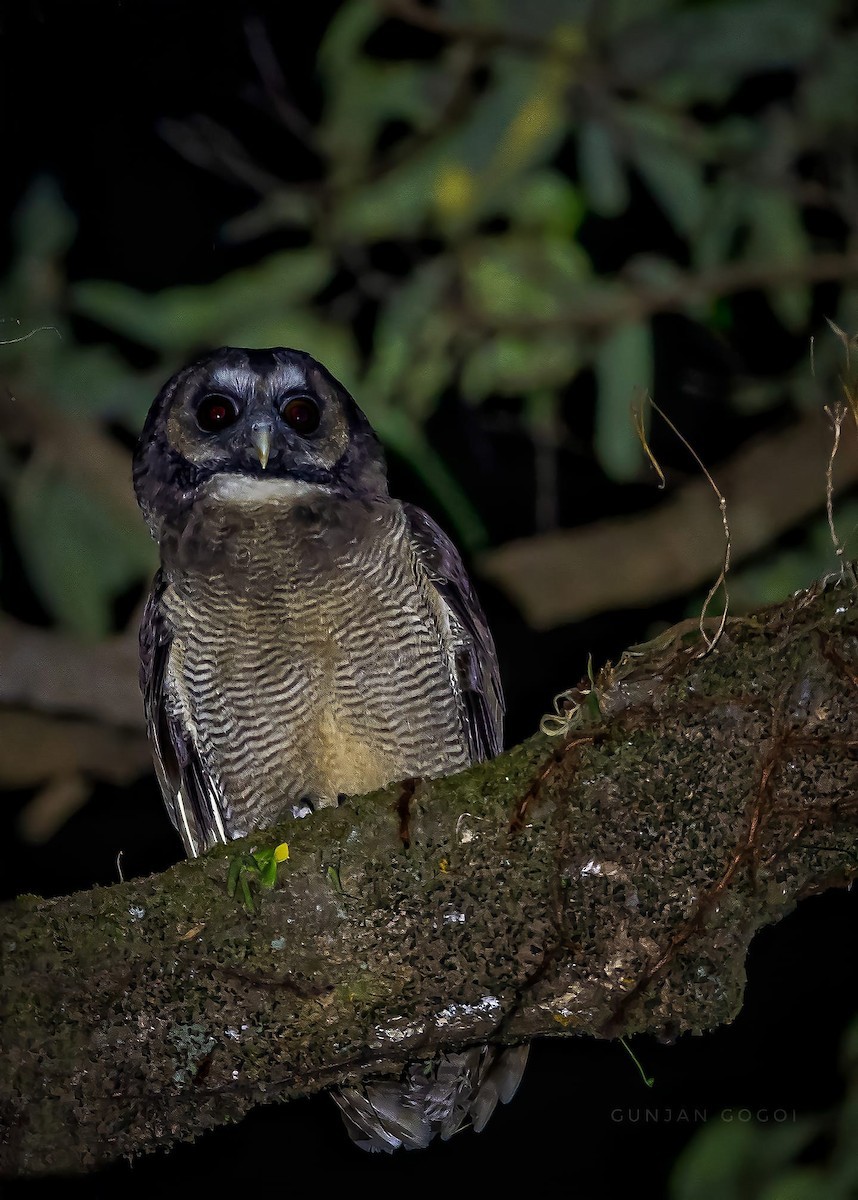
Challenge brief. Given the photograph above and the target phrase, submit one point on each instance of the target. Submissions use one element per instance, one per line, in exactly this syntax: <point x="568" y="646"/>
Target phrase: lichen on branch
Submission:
<point x="606" y="881"/>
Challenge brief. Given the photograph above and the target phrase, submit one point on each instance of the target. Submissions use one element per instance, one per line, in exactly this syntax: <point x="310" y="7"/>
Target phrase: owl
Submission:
<point x="307" y="637"/>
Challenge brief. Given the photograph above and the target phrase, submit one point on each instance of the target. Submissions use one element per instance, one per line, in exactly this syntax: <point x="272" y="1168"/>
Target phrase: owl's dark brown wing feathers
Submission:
<point x="188" y="789"/>
<point x="475" y="655"/>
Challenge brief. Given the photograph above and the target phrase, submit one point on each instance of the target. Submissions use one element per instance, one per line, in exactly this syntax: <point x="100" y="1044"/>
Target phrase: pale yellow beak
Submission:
<point x="260" y="436"/>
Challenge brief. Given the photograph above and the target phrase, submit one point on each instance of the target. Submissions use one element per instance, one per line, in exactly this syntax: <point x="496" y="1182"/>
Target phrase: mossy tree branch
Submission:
<point x="605" y="881"/>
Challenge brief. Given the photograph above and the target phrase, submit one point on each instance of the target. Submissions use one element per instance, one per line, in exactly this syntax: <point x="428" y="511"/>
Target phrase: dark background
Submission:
<point x="84" y="88"/>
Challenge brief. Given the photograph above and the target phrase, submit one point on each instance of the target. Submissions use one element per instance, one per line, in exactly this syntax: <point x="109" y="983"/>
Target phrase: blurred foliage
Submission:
<point x="782" y="1157"/>
<point x="454" y="235"/>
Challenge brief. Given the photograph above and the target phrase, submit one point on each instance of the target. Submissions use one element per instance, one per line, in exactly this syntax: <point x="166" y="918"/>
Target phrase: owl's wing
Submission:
<point x="473" y="646"/>
<point x="189" y="792"/>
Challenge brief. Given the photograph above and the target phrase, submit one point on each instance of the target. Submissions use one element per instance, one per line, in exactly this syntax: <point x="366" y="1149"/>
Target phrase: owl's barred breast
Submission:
<point x="307" y="636"/>
<point x="311" y="654"/>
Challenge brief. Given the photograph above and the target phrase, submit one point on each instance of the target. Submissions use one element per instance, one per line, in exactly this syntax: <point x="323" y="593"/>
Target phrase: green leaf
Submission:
<point x="623" y="366"/>
<point x="732" y="1158"/>
<point x="518" y="276"/>
<point x="184" y="320"/>
<point x="509" y="365"/>
<point x="676" y="183"/>
<point x="617" y="16"/>
<point x="366" y="96"/>
<point x="802" y="1183"/>
<point x="712" y="1166"/>
<point x="77" y="555"/>
<point x="713" y="240"/>
<point x="266" y="866"/>
<point x="777" y="235"/>
<point x="344" y="37"/>
<point x="709" y="48"/>
<point x="43" y="226"/>
<point x="547" y="204"/>
<point x="525" y="110"/>
<point x="410" y="363"/>
<point x="284" y="208"/>
<point x="91" y="381"/>
<point x="406" y="438"/>
<point x="397" y="205"/>
<point x="602" y="173"/>
<point x="236" y="866"/>
<point x="830" y="92"/>
<point x="475" y="168"/>
<point x="667" y="164"/>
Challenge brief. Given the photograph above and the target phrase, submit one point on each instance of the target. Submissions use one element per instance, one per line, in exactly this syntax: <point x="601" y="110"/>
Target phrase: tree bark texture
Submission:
<point x="603" y="881"/>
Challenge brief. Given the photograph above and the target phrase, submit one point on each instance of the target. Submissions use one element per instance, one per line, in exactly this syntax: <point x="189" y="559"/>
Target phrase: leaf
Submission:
<point x="732" y="1159"/>
<point x="91" y="380"/>
<point x="713" y="239"/>
<point x="410" y="363"/>
<point x="709" y="48"/>
<point x="509" y="365"/>
<point x="367" y="96"/>
<point x="286" y="207"/>
<point x="623" y="366"/>
<point x="397" y="205"/>
<point x="802" y="1183"/>
<point x="519" y="276"/>
<point x="667" y="160"/>
<point x="777" y="235"/>
<point x="615" y="17"/>
<point x="830" y="92"/>
<point x="471" y="170"/>
<point x="675" y="181"/>
<point x="547" y="204"/>
<point x="403" y="435"/>
<point x="236" y="866"/>
<point x="77" y="555"/>
<point x="344" y="37"/>
<point x="601" y="169"/>
<point x="266" y="865"/>
<point x="529" y="97"/>
<point x="43" y="226"/>
<point x="184" y="320"/>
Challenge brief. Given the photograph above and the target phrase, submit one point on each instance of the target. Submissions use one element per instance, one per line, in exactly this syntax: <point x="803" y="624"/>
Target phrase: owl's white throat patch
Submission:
<point x="248" y="489"/>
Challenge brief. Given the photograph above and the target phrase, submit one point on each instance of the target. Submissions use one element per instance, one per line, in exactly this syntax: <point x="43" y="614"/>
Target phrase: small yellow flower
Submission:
<point x="281" y="852"/>
<point x="443" y="865"/>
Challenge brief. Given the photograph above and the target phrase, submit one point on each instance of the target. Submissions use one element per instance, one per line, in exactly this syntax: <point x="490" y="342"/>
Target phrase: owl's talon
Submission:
<point x="304" y="808"/>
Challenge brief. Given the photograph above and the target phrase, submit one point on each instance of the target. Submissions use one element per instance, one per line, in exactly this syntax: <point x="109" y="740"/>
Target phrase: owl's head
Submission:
<point x="238" y="416"/>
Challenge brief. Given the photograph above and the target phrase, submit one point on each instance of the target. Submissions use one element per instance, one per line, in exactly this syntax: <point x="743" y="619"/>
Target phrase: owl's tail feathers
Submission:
<point x="438" y="1099"/>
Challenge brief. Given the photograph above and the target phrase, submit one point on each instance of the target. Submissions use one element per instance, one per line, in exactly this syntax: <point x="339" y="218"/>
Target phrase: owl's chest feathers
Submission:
<point x="312" y="653"/>
<point x="294" y="570"/>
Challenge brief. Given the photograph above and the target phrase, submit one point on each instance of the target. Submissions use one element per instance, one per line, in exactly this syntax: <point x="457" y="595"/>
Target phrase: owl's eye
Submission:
<point x="301" y="414"/>
<point x="216" y="412"/>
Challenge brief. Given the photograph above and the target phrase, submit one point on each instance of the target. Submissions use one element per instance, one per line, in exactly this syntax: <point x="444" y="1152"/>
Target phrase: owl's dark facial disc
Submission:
<point x="246" y="412"/>
<point x="254" y="415"/>
<point x="247" y="418"/>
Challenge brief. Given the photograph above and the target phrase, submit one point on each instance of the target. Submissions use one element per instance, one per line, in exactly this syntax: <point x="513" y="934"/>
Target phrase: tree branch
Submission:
<point x="607" y="881"/>
<point x="626" y="562"/>
<point x="597" y="308"/>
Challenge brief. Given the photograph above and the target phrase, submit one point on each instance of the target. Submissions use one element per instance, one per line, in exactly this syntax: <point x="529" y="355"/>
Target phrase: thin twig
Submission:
<point x="722" y="505"/>
<point x="836" y="414"/>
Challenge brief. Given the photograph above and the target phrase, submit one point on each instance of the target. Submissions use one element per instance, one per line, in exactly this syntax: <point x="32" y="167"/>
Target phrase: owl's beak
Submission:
<point x="260" y="436"/>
